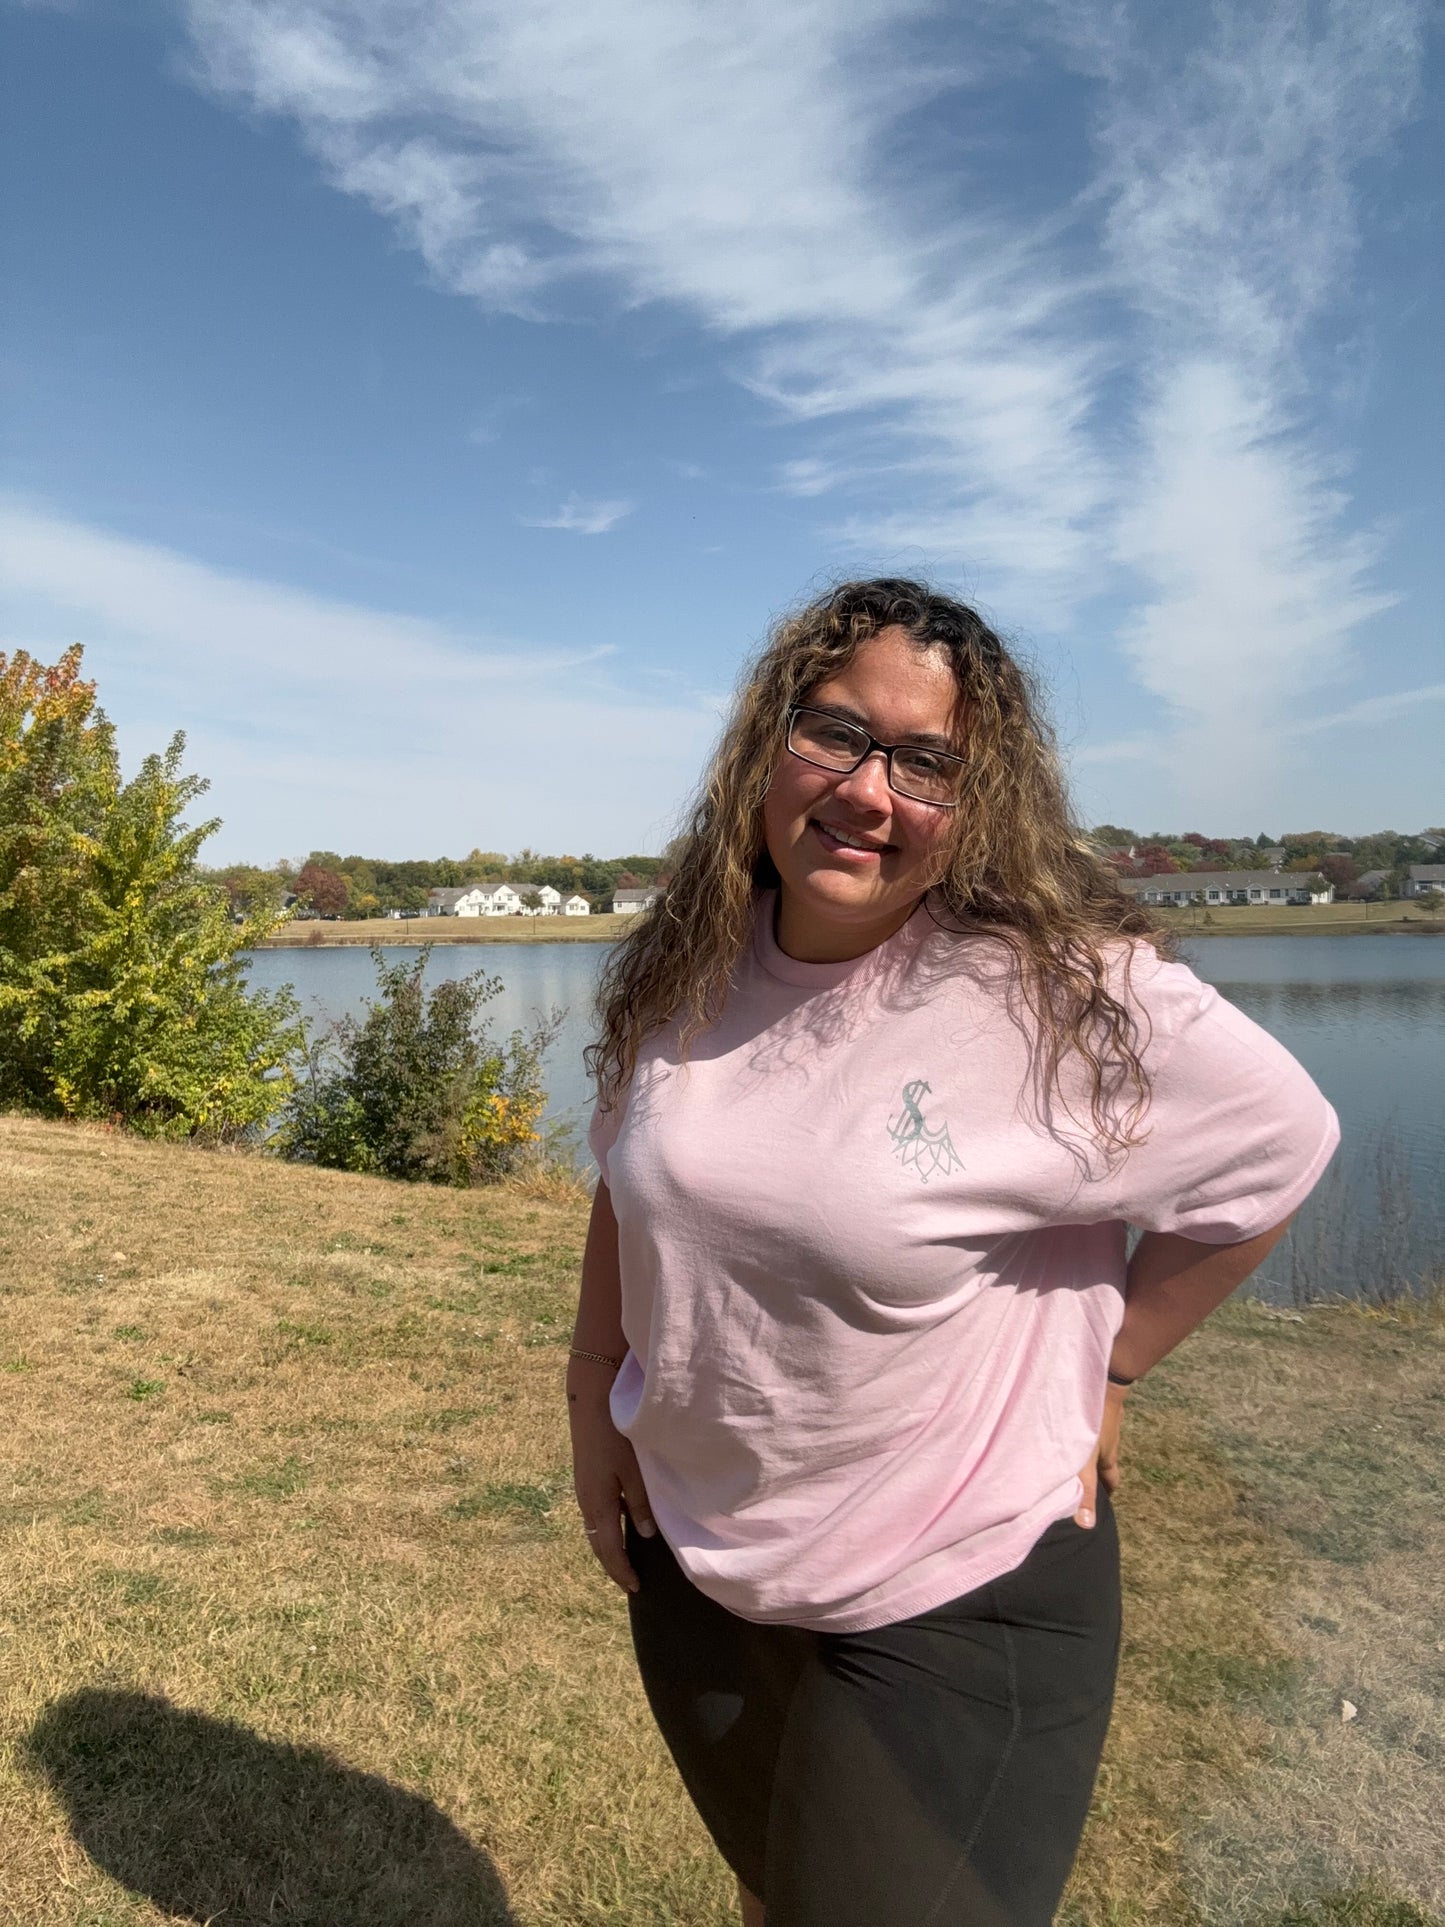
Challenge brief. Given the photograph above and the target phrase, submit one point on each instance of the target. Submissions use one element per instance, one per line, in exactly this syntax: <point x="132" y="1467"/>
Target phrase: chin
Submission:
<point x="840" y="893"/>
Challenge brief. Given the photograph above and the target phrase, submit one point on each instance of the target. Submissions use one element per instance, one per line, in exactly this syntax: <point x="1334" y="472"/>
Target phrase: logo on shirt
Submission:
<point x="922" y="1147"/>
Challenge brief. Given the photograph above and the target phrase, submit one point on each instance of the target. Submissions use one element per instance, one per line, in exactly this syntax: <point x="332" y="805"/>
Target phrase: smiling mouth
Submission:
<point x="833" y="838"/>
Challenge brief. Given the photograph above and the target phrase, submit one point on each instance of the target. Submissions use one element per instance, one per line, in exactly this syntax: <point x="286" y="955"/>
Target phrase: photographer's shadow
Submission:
<point x="214" y="1823"/>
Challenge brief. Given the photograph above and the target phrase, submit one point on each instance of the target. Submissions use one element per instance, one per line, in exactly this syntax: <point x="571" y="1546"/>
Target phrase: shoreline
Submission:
<point x="410" y="933"/>
<point x="390" y="933"/>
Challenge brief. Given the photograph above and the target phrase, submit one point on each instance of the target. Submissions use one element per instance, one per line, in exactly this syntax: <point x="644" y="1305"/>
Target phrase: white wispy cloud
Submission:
<point x="1047" y="421"/>
<point x="582" y="518"/>
<point x="323" y="723"/>
<point x="725" y="160"/>
<point x="1375" y="710"/>
<point x="1227" y="160"/>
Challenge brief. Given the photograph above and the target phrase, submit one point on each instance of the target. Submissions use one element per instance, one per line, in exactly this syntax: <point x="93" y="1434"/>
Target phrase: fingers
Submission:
<point x="1110" y="1475"/>
<point x="634" y="1497"/>
<point x="1089" y="1479"/>
<point x="604" y="1535"/>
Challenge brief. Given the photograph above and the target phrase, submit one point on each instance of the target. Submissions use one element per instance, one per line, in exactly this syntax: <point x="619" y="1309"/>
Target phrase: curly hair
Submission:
<point x="1015" y="866"/>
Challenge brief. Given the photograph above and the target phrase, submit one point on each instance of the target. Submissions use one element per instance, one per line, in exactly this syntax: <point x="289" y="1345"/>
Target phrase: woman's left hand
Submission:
<point x="1103" y="1466"/>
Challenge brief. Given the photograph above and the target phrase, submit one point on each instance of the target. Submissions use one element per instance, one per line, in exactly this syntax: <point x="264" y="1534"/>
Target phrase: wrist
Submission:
<point x="589" y="1377"/>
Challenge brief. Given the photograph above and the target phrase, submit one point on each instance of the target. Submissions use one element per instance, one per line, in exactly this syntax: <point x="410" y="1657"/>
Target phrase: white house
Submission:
<point x="626" y="903"/>
<point x="1268" y="888"/>
<point x="1423" y="878"/>
<point x="475" y="900"/>
<point x="549" y="901"/>
<point x="576" y="907"/>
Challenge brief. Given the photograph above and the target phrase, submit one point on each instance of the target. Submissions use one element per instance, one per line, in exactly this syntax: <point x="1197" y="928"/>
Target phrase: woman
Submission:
<point x="881" y="1085"/>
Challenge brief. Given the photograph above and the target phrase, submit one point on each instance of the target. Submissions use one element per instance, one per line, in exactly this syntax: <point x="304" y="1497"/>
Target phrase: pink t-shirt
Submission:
<point x="872" y="1271"/>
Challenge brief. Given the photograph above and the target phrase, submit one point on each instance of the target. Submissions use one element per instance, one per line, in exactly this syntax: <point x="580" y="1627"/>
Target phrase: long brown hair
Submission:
<point x="1015" y="867"/>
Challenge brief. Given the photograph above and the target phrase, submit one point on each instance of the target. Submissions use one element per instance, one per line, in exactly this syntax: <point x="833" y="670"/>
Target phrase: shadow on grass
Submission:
<point x="212" y="1822"/>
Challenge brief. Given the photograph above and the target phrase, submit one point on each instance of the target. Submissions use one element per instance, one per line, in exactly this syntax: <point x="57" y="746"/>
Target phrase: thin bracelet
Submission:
<point x="596" y="1358"/>
<point x="1118" y="1378"/>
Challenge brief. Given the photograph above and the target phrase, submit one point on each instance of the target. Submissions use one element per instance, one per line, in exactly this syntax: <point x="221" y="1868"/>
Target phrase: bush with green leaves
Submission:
<point x="122" y="973"/>
<point x="419" y="1087"/>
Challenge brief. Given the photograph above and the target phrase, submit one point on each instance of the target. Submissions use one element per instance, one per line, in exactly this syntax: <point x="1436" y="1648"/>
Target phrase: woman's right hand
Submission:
<point x="607" y="1480"/>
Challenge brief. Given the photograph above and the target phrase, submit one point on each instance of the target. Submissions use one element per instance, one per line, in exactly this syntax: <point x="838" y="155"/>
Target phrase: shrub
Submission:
<point x="122" y="992"/>
<point x="419" y="1088"/>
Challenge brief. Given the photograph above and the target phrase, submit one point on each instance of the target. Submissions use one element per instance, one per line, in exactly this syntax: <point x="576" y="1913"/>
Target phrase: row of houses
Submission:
<point x="1268" y="887"/>
<point x="502" y="900"/>
<point x="1420" y="879"/>
<point x="531" y="900"/>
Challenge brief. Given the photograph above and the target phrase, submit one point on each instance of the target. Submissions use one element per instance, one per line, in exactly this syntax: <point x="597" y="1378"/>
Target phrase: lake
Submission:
<point x="1364" y="1015"/>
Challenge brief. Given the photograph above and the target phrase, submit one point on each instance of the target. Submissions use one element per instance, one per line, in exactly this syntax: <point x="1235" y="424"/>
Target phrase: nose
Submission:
<point x="866" y="787"/>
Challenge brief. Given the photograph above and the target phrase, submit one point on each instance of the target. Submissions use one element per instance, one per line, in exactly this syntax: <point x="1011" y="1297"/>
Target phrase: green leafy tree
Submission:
<point x="419" y="1088"/>
<point x="122" y="978"/>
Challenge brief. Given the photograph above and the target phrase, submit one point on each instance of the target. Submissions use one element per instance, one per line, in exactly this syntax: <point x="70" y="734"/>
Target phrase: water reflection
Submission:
<point x="1328" y="1002"/>
<point x="1366" y="1017"/>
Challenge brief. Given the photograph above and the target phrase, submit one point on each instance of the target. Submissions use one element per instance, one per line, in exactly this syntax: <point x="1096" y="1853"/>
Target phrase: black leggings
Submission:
<point x="932" y="1773"/>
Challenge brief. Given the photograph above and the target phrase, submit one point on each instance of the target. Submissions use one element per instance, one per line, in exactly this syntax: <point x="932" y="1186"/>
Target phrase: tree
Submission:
<point x="122" y="968"/>
<point x="1341" y="871"/>
<point x="325" y="890"/>
<point x="249" y="887"/>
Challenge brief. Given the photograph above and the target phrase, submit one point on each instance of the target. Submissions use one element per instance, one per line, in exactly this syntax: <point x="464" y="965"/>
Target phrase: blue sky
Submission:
<point x="428" y="407"/>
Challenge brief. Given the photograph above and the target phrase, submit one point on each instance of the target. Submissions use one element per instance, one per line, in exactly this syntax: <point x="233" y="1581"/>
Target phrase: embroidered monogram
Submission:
<point x="921" y="1147"/>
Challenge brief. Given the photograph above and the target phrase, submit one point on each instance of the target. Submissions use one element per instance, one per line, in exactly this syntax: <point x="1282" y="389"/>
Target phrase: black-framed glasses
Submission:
<point x="921" y="774"/>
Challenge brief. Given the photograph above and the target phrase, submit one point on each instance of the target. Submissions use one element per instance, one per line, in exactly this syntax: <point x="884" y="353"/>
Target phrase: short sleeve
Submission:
<point x="602" y="1133"/>
<point x="1237" y="1134"/>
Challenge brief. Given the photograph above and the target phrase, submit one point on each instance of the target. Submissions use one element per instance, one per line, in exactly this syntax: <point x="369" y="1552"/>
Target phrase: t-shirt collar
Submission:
<point x="822" y="976"/>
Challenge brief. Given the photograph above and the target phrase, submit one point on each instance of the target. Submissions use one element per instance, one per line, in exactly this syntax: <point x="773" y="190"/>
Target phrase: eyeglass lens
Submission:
<point x="927" y="775"/>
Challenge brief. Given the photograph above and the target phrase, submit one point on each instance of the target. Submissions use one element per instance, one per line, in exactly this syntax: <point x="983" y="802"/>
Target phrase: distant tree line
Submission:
<point x="329" y="885"/>
<point x="1376" y="865"/>
<point x="360" y="886"/>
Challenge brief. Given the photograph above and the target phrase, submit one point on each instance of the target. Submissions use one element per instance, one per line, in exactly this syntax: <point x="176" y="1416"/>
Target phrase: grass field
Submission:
<point x="414" y="930"/>
<point x="296" y="1625"/>
<point x="1231" y="920"/>
<point x="1304" y="920"/>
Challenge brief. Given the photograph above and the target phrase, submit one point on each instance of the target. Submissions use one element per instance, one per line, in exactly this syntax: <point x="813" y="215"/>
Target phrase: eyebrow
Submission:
<point x="925" y="739"/>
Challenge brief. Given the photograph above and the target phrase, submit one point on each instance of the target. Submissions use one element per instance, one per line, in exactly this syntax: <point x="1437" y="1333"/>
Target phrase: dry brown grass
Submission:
<point x="1301" y="919"/>
<point x="295" y="1624"/>
<point x="1227" y="920"/>
<point x="415" y="930"/>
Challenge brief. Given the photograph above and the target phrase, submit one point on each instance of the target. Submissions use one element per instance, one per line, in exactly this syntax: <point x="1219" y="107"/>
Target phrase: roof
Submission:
<point x="447" y="897"/>
<point x="1195" y="880"/>
<point x="1427" y="872"/>
<point x="645" y="895"/>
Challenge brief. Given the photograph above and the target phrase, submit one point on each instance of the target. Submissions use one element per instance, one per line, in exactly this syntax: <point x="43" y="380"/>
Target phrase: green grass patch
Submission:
<point x="281" y="1481"/>
<point x="506" y="1499"/>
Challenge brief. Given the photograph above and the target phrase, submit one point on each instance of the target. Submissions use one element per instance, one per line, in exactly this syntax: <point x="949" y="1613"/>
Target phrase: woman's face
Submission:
<point x="853" y="856"/>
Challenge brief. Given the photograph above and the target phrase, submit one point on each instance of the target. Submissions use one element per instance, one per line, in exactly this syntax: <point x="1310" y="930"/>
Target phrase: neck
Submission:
<point x="808" y="938"/>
